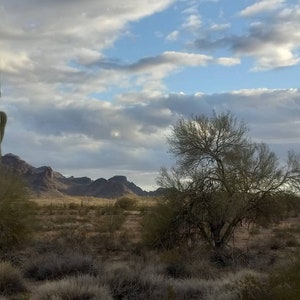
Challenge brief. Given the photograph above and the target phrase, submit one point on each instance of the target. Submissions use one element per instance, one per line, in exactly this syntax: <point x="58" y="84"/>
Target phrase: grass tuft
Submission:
<point x="54" y="266"/>
<point x="11" y="280"/>
<point x="73" y="288"/>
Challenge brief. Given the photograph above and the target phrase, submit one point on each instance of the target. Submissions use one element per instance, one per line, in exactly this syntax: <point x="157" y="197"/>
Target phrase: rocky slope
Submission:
<point x="45" y="180"/>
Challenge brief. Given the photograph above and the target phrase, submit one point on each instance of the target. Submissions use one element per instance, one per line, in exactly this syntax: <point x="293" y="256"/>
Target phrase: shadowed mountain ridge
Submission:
<point x="44" y="179"/>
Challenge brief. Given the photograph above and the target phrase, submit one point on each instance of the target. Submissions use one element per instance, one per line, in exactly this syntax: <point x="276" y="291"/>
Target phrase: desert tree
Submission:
<point x="222" y="179"/>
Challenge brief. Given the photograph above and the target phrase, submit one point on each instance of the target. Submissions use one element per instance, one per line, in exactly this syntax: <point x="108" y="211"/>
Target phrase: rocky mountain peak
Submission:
<point x="45" y="180"/>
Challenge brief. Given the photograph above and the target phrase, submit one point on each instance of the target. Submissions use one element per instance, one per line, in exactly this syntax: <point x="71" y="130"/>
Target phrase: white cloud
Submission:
<point x="219" y="27"/>
<point x="192" y="23"/>
<point x="102" y="139"/>
<point x="273" y="45"/>
<point x="228" y="61"/>
<point x="273" y="42"/>
<point x="261" y="6"/>
<point x="173" y="36"/>
<point x="54" y="65"/>
<point x="55" y="32"/>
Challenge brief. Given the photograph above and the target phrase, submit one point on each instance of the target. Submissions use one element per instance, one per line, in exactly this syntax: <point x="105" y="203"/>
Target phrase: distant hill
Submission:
<point x="44" y="180"/>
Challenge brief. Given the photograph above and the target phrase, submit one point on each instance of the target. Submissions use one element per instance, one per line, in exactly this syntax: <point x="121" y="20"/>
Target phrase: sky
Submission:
<point x="92" y="88"/>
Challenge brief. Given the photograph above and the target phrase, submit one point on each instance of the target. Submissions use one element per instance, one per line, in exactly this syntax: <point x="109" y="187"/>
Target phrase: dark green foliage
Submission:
<point x="160" y="229"/>
<point x="17" y="219"/>
<point x="222" y="178"/>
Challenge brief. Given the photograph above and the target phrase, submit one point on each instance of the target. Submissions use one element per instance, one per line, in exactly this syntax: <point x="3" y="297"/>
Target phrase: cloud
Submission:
<point x="98" y="138"/>
<point x="219" y="27"/>
<point x="272" y="46"/>
<point x="148" y="73"/>
<point x="272" y="43"/>
<point x="228" y="61"/>
<point x="192" y="23"/>
<point x="173" y="36"/>
<point x="262" y="6"/>
<point x="61" y="28"/>
<point x="83" y="113"/>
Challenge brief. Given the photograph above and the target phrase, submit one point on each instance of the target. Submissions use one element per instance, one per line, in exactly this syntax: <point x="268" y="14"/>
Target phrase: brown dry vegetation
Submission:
<point x="90" y="248"/>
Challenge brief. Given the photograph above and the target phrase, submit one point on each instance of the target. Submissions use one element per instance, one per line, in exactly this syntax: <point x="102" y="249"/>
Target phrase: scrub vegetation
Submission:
<point x="228" y="227"/>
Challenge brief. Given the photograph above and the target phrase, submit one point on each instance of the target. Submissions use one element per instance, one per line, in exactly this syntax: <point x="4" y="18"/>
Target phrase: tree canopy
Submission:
<point x="222" y="178"/>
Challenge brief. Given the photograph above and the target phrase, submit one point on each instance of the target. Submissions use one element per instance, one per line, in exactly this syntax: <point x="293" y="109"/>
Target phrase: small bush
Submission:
<point x="126" y="203"/>
<point x="74" y="288"/>
<point x="282" y="283"/>
<point x="111" y="223"/>
<point x="109" y="210"/>
<point x="11" y="281"/>
<point x="55" y="266"/>
<point x="133" y="284"/>
<point x="160" y="228"/>
<point x="17" y="218"/>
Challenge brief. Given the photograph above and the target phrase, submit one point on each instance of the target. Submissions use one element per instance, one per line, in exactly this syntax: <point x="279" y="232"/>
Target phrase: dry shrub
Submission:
<point x="54" y="266"/>
<point x="73" y="288"/>
<point x="109" y="209"/>
<point x="11" y="281"/>
<point x="134" y="284"/>
<point x="282" y="283"/>
<point x="126" y="203"/>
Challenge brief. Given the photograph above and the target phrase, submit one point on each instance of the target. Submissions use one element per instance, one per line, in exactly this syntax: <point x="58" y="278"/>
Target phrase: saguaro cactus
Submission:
<point x="3" y="119"/>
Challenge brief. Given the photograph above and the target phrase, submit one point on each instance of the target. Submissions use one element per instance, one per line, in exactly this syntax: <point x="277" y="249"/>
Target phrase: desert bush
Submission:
<point x="175" y="265"/>
<point x="17" y="219"/>
<point x="106" y="242"/>
<point x="126" y="203"/>
<point x="111" y="223"/>
<point x="159" y="226"/>
<point x="73" y="288"/>
<point x="55" y="266"/>
<point x="282" y="283"/>
<point x="109" y="209"/>
<point x="285" y="281"/>
<point x="287" y="236"/>
<point x="134" y="283"/>
<point x="251" y="287"/>
<point x="11" y="280"/>
<point x="74" y="206"/>
<point x="186" y="289"/>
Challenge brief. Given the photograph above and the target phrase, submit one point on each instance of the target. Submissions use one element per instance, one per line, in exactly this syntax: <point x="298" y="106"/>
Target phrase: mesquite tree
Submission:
<point x="222" y="178"/>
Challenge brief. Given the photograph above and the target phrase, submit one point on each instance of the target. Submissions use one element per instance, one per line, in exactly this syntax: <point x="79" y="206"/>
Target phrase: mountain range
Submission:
<point x="44" y="180"/>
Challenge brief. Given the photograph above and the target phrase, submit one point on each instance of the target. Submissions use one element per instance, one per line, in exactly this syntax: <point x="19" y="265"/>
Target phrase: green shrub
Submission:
<point x="55" y="266"/>
<point x="126" y="203"/>
<point x="17" y="219"/>
<point x="73" y="288"/>
<point x="11" y="281"/>
<point x="160" y="228"/>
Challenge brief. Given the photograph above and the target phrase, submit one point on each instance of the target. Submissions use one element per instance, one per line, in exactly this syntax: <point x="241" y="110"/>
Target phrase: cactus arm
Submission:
<point x="3" y="120"/>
